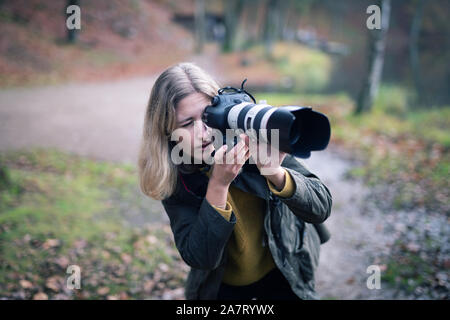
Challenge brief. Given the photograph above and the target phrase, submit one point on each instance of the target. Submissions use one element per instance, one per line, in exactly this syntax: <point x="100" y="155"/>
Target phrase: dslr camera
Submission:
<point x="300" y="129"/>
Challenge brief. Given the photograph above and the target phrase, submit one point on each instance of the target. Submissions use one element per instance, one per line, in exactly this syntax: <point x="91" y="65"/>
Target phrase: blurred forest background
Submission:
<point x="71" y="114"/>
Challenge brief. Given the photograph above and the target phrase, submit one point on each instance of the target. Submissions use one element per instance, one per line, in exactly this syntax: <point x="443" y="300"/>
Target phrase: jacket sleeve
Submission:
<point x="311" y="200"/>
<point x="201" y="234"/>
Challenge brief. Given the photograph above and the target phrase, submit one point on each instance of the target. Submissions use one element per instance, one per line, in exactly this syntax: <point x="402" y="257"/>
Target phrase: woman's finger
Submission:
<point x="246" y="139"/>
<point x="219" y="155"/>
<point x="231" y="156"/>
<point x="244" y="155"/>
<point x="242" y="152"/>
<point x="240" y="157"/>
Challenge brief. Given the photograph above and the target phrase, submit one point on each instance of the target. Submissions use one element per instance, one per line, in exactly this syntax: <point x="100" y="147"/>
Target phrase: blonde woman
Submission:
<point x="245" y="235"/>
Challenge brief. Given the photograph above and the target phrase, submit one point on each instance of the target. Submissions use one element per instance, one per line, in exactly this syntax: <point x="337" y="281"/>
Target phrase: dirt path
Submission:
<point x="105" y="121"/>
<point x="357" y="234"/>
<point x="100" y="120"/>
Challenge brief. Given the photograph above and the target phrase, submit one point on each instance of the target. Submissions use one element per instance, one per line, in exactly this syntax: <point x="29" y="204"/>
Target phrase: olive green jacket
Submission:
<point x="293" y="229"/>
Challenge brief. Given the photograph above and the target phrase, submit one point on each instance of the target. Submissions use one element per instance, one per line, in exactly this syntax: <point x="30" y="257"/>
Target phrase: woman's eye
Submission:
<point x="187" y="124"/>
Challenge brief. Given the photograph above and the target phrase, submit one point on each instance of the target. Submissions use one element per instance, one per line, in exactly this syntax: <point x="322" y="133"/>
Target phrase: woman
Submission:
<point x="244" y="235"/>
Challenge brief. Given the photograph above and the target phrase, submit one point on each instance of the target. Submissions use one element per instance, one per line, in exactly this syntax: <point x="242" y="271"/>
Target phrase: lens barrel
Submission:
<point x="301" y="129"/>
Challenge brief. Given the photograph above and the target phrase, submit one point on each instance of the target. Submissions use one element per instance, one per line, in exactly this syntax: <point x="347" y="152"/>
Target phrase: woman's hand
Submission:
<point x="226" y="168"/>
<point x="228" y="164"/>
<point x="269" y="162"/>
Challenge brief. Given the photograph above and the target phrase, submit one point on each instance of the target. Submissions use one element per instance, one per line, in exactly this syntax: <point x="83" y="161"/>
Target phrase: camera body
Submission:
<point x="300" y="129"/>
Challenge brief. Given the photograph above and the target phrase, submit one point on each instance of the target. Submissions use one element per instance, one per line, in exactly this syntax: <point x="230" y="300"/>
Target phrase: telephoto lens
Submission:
<point x="300" y="129"/>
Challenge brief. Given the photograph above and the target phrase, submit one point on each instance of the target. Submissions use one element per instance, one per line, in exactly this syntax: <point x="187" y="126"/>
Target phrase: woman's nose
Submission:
<point x="208" y="130"/>
<point x="202" y="129"/>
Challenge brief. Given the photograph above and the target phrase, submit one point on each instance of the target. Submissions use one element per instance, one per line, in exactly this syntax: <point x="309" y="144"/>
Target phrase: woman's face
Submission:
<point x="197" y="139"/>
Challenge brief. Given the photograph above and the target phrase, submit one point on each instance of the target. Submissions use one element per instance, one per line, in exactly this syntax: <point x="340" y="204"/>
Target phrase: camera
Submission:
<point x="301" y="129"/>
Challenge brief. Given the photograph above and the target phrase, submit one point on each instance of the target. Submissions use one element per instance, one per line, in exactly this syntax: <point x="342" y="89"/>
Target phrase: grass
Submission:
<point x="408" y="270"/>
<point x="408" y="273"/>
<point x="56" y="210"/>
<point x="300" y="68"/>
<point x="308" y="69"/>
<point x="315" y="100"/>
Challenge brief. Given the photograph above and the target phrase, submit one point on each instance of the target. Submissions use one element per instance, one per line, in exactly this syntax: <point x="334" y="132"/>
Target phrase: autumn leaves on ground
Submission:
<point x="59" y="210"/>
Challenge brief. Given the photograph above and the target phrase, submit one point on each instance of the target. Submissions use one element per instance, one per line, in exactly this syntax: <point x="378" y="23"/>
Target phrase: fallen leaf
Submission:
<point x="106" y="254"/>
<point x="151" y="239"/>
<point x="26" y="284"/>
<point x="148" y="285"/>
<point x="51" y="243"/>
<point x="54" y="283"/>
<point x="126" y="258"/>
<point x="103" y="291"/>
<point x="176" y="294"/>
<point x="40" y="296"/>
<point x="163" y="267"/>
<point x="447" y="263"/>
<point x="63" y="262"/>
<point x="350" y="280"/>
<point x="80" y="244"/>
<point x="60" y="296"/>
<point x="413" y="247"/>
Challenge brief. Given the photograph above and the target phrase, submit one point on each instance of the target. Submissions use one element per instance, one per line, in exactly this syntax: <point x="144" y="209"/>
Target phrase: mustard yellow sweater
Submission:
<point x="248" y="261"/>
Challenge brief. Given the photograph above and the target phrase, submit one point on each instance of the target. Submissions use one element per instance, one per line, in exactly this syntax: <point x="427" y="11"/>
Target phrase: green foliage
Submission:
<point x="302" y="69"/>
<point x="58" y="210"/>
<point x="432" y="124"/>
<point x="302" y="99"/>
<point x="408" y="270"/>
<point x="308" y="69"/>
<point x="392" y="100"/>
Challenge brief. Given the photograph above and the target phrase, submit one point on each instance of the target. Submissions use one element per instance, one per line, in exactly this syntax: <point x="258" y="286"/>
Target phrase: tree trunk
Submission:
<point x="377" y="44"/>
<point x="285" y="6"/>
<point x="271" y="26"/>
<point x="5" y="181"/>
<point x="251" y="27"/>
<point x="72" y="34"/>
<point x="200" y="30"/>
<point x="414" y="51"/>
<point x="233" y="10"/>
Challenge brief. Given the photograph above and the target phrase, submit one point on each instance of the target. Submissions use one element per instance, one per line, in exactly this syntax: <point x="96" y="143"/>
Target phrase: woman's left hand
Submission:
<point x="268" y="163"/>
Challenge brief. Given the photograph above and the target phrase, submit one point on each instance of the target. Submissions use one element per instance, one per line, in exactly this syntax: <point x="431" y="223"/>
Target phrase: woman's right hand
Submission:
<point x="228" y="164"/>
<point x="226" y="168"/>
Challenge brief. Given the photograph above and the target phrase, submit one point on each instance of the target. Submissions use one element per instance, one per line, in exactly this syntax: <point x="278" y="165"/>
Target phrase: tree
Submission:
<point x="5" y="180"/>
<point x="72" y="34"/>
<point x="200" y="31"/>
<point x="377" y="45"/>
<point x="414" y="49"/>
<point x="233" y="10"/>
<point x="271" y="26"/>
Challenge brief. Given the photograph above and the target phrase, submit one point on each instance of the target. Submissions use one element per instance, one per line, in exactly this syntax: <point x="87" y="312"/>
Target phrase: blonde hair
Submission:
<point x="157" y="172"/>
